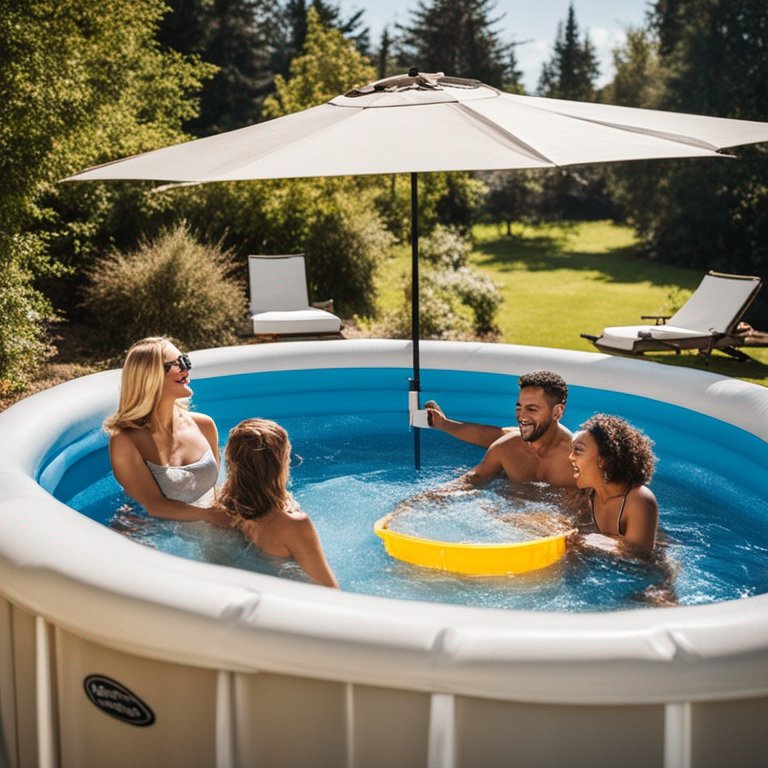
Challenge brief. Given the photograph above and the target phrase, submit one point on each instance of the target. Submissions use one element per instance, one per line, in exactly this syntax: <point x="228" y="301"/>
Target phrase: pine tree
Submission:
<point x="292" y="19"/>
<point x="457" y="37"/>
<point x="572" y="71"/>
<point x="235" y="35"/>
<point x="384" y="63"/>
<point x="709" y="214"/>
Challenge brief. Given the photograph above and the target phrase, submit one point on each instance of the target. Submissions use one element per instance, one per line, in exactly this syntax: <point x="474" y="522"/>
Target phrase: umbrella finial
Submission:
<point x="413" y="72"/>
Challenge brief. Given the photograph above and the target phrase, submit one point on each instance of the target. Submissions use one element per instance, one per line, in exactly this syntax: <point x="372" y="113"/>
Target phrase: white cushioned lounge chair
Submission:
<point x="709" y="320"/>
<point x="279" y="301"/>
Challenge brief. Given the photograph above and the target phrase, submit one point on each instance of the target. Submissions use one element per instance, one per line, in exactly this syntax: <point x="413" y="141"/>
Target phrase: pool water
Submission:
<point x="355" y="469"/>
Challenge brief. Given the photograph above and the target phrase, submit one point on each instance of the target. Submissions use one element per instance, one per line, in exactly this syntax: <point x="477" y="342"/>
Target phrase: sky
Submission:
<point x="532" y="22"/>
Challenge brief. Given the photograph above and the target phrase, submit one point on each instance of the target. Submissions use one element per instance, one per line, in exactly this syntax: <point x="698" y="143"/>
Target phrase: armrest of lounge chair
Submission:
<point x="660" y="319"/>
<point x="327" y="305"/>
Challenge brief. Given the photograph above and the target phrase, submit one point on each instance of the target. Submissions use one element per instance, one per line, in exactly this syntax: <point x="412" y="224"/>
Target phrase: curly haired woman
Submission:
<point x="615" y="461"/>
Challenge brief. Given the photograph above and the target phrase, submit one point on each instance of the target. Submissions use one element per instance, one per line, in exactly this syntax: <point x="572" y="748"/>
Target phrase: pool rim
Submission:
<point x="239" y="620"/>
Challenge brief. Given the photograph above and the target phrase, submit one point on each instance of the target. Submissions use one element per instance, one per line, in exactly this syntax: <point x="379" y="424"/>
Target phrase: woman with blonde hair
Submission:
<point x="164" y="456"/>
<point x="255" y="495"/>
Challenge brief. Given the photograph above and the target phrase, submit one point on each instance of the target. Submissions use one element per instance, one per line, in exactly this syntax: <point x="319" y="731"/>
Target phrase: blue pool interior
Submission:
<point x="350" y="428"/>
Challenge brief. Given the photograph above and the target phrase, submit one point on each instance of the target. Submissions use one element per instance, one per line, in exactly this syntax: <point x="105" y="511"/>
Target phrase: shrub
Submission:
<point x="457" y="305"/>
<point x="445" y="247"/>
<point x="343" y="251"/>
<point x="330" y="220"/>
<point x="172" y="286"/>
<point x="441" y="316"/>
<point x="23" y="311"/>
<point x="474" y="289"/>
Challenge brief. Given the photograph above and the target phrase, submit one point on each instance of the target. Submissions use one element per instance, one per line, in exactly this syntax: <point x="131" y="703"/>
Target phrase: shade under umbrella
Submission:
<point x="419" y="123"/>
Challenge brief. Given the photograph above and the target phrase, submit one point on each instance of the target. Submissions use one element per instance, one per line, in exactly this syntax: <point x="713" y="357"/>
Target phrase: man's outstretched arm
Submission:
<point x="483" y="435"/>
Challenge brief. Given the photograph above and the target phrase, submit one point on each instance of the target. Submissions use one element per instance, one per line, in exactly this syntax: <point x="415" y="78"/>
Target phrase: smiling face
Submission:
<point x="176" y="381"/>
<point x="585" y="460"/>
<point x="535" y="415"/>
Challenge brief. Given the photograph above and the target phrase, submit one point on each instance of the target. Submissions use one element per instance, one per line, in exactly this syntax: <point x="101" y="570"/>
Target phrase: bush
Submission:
<point x="445" y="247"/>
<point x="23" y="311"/>
<point x="457" y="305"/>
<point x="329" y="220"/>
<point x="441" y="316"/>
<point x="343" y="250"/>
<point x="172" y="286"/>
<point x="475" y="290"/>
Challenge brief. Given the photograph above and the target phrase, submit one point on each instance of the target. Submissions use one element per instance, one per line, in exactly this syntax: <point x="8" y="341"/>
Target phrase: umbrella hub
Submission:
<point x="414" y="81"/>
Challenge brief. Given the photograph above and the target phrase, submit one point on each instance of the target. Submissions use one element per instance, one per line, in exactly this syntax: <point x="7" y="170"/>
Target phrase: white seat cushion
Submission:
<point x="306" y="321"/>
<point x="625" y="336"/>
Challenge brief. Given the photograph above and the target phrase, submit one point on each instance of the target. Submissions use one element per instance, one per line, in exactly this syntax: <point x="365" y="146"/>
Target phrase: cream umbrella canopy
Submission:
<point x="420" y="123"/>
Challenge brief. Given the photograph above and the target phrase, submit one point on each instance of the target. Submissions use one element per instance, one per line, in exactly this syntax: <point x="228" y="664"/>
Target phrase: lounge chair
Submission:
<point x="280" y="305"/>
<point x="709" y="320"/>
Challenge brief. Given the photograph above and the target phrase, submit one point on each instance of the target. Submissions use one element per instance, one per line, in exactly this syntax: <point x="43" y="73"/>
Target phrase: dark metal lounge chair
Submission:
<point x="709" y="320"/>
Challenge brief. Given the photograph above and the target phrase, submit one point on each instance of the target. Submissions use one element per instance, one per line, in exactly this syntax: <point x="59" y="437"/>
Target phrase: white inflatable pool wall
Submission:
<point x="242" y="669"/>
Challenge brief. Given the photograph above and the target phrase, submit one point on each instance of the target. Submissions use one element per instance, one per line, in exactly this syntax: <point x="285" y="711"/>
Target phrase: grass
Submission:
<point x="561" y="280"/>
<point x="558" y="281"/>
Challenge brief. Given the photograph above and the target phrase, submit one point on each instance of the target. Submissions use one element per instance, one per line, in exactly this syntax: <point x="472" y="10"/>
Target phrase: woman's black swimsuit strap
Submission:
<point x="621" y="511"/>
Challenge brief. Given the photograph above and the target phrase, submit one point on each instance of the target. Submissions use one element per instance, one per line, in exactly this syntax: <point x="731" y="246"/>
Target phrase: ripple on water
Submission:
<point x="713" y="531"/>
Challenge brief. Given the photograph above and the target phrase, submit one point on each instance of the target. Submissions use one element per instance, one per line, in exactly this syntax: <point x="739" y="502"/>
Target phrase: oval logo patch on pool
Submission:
<point x="116" y="700"/>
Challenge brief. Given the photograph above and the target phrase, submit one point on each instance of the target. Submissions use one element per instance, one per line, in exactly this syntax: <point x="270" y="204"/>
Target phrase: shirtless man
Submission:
<point x="536" y="451"/>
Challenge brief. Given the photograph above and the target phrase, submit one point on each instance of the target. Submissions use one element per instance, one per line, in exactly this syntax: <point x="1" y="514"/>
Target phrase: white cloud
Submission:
<point x="605" y="40"/>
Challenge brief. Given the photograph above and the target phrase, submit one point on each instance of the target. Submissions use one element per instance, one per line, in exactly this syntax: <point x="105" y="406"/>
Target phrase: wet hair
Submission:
<point x="257" y="453"/>
<point x="141" y="385"/>
<point x="627" y="452"/>
<point x="554" y="386"/>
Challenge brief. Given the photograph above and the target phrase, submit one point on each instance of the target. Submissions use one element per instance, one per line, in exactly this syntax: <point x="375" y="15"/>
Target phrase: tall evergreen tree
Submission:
<point x="571" y="74"/>
<point x="238" y="36"/>
<point x="292" y="20"/>
<point x="572" y="71"/>
<point x="709" y="214"/>
<point x="458" y="37"/>
<point x="384" y="59"/>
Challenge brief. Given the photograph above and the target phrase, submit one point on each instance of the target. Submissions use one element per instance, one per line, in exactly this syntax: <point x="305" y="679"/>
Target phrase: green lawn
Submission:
<point x="559" y="281"/>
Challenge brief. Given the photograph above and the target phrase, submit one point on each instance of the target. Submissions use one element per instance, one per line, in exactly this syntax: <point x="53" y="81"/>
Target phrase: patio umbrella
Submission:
<point x="420" y="123"/>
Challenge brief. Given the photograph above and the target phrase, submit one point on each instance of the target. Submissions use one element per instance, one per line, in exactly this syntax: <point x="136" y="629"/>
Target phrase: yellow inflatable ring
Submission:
<point x="472" y="559"/>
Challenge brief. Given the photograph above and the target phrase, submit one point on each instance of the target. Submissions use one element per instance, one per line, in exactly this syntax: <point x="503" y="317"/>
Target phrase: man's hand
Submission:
<point x="435" y="415"/>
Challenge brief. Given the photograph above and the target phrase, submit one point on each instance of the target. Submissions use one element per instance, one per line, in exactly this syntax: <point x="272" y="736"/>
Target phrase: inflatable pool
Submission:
<point x="117" y="654"/>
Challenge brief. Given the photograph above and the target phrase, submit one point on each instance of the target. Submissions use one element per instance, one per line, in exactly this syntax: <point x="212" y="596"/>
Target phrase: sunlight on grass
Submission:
<point x="561" y="280"/>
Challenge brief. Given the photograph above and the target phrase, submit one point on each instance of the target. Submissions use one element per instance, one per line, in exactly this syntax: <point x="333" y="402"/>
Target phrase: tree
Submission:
<point x="293" y="25"/>
<point x="638" y="81"/>
<point x="571" y="74"/>
<point x="572" y="71"/>
<point x="80" y="82"/>
<point x="332" y="220"/>
<point x="328" y="66"/>
<point x="458" y="38"/>
<point x="512" y="196"/>
<point x="709" y="214"/>
<point x="238" y="37"/>
<point x="385" y="61"/>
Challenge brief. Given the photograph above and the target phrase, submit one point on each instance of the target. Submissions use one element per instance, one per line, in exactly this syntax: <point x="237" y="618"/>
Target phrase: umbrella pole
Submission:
<point x="415" y="383"/>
